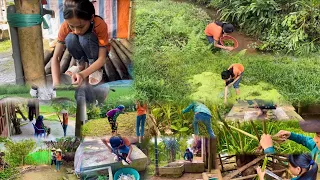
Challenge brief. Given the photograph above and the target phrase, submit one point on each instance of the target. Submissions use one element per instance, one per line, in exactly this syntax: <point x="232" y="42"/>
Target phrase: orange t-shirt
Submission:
<point x="100" y="29"/>
<point x="237" y="69"/>
<point x="214" y="30"/>
<point x="141" y="110"/>
<point x="126" y="141"/>
<point x="65" y="119"/>
<point x="59" y="157"/>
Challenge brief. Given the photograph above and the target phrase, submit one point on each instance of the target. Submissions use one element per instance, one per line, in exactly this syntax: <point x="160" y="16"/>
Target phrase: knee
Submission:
<point x="71" y="40"/>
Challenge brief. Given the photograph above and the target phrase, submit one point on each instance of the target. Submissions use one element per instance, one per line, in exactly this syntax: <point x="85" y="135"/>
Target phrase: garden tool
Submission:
<point x="120" y="157"/>
<point x="272" y="174"/>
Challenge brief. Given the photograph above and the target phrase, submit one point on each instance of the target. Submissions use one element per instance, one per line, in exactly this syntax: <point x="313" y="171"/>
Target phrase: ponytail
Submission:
<point x="305" y="161"/>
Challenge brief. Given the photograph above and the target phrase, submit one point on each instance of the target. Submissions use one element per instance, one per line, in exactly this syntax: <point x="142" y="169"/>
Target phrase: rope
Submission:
<point x="26" y="20"/>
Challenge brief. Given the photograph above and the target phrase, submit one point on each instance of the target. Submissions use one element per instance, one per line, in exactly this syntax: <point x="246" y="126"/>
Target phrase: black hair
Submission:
<point x="304" y="161"/>
<point x="227" y="28"/>
<point x="187" y="149"/>
<point x="82" y="9"/>
<point x="225" y="74"/>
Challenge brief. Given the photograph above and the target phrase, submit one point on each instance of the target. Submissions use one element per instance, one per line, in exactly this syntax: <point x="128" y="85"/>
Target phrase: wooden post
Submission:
<point x="213" y="151"/>
<point x="31" y="44"/>
<point x="209" y="155"/>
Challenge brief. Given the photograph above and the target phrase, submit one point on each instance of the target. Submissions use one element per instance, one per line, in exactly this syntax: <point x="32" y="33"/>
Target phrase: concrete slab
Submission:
<point x="93" y="154"/>
<point x="241" y="111"/>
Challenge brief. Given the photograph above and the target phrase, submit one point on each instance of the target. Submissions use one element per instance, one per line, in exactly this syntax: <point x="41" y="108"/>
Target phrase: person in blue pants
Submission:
<point x="201" y="114"/>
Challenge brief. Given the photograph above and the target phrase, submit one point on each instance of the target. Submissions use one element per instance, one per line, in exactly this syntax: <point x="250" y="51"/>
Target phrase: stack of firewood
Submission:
<point x="115" y="68"/>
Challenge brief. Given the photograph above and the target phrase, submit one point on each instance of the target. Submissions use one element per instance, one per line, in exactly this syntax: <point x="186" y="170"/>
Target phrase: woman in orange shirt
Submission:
<point x="58" y="159"/>
<point x="141" y="119"/>
<point x="214" y="31"/>
<point x="85" y="35"/>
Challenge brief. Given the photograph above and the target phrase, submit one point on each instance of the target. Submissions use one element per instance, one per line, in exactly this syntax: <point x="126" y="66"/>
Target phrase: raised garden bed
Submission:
<point x="172" y="170"/>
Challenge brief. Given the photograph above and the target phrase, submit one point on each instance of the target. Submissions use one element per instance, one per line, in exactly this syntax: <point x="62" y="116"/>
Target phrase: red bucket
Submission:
<point x="227" y="37"/>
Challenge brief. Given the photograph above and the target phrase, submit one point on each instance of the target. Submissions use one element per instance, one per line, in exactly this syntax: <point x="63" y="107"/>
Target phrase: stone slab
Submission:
<point x="241" y="111"/>
<point x="93" y="154"/>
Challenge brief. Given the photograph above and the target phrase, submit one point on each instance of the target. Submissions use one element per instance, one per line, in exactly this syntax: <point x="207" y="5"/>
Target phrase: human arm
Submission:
<point x="129" y="154"/>
<point x="79" y="77"/>
<point x="188" y="109"/>
<point x="184" y="157"/>
<point x="225" y="94"/>
<point x="55" y="63"/>
<point x="216" y="44"/>
<point x="306" y="141"/>
<point x="105" y="141"/>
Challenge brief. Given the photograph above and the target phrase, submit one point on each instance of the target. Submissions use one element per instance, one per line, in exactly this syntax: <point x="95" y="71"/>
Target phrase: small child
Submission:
<point x="112" y="117"/>
<point x="59" y="159"/>
<point x="65" y="118"/>
<point x="53" y="157"/>
<point x="188" y="156"/>
<point x="141" y="119"/>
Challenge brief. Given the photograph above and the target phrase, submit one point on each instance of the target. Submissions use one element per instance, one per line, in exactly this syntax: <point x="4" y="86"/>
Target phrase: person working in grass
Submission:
<point x="112" y="117"/>
<point x="85" y="35"/>
<point x="120" y="146"/>
<point x="214" y="31"/>
<point x="201" y="113"/>
<point x="300" y="165"/>
<point x="313" y="144"/>
<point x="188" y="156"/>
<point x="232" y="76"/>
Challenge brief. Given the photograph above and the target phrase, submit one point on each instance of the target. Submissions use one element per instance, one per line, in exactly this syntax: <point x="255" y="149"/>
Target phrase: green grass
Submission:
<point x="38" y="158"/>
<point x="5" y="46"/>
<point x="179" y="51"/>
<point x="101" y="127"/>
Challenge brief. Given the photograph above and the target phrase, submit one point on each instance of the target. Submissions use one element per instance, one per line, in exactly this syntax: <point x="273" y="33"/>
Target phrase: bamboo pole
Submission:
<point x="121" y="69"/>
<point x="48" y="67"/>
<point x="130" y="13"/>
<point x="124" y="49"/>
<point x="65" y="61"/>
<point x="126" y="44"/>
<point x="124" y="59"/>
<point x="48" y="53"/>
<point x="255" y="161"/>
<point x="31" y="45"/>
<point x="111" y="70"/>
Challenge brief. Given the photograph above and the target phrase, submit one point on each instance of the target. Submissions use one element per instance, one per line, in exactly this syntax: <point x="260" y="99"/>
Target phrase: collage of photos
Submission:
<point x="159" y="90"/>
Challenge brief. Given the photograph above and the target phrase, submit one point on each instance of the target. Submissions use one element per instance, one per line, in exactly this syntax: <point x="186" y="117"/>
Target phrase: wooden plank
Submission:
<point x="255" y="161"/>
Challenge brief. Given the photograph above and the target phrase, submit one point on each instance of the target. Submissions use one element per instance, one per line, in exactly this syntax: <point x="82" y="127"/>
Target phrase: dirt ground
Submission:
<point x="47" y="172"/>
<point x="186" y="176"/>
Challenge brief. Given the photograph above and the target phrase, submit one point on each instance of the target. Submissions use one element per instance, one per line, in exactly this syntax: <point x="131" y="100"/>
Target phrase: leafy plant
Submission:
<point x="18" y="151"/>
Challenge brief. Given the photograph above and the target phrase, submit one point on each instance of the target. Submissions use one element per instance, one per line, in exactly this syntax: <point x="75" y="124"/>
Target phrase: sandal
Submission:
<point x="97" y="75"/>
<point x="72" y="70"/>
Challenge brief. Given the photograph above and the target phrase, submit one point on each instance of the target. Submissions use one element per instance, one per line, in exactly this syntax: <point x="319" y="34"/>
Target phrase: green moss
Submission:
<point x="210" y="87"/>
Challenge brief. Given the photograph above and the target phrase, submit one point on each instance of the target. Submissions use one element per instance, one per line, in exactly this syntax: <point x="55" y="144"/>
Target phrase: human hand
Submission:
<point x="283" y="135"/>
<point x="77" y="79"/>
<point x="229" y="48"/>
<point x="266" y="141"/>
<point x="128" y="160"/>
<point x="260" y="173"/>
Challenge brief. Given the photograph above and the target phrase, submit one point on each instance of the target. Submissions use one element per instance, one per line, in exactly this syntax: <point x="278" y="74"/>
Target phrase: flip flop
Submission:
<point x="95" y="75"/>
<point x="72" y="70"/>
